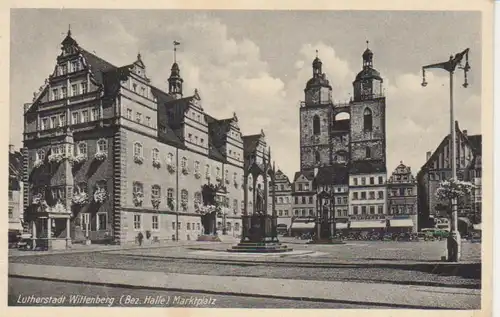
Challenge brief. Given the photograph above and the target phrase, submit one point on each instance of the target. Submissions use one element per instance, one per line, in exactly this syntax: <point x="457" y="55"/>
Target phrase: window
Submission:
<point x="316" y="125"/>
<point x="311" y="213"/>
<point x="311" y="200"/>
<point x="355" y="196"/>
<point x="372" y="180"/>
<point x="380" y="195"/>
<point x="138" y="117"/>
<point x="102" y="146"/>
<point x="179" y="225"/>
<point x="363" y="181"/>
<point x="355" y="210"/>
<point x="137" y="149"/>
<point x="84" y="87"/>
<point x="137" y="187"/>
<point x="380" y="209"/>
<point x="82" y="148"/>
<point x="102" y="221"/>
<point x="74" y="90"/>
<point x="372" y="195"/>
<point x="207" y="170"/>
<point x="355" y="181"/>
<point x="363" y="210"/>
<point x="53" y="122"/>
<point x="170" y="158"/>
<point x="301" y="187"/>
<point x="196" y="167"/>
<point x="143" y="91"/>
<point x="217" y="172"/>
<point x="64" y="92"/>
<point x="303" y="212"/>
<point x="368" y="152"/>
<point x="64" y="69"/>
<point x="55" y="94"/>
<point x="85" y="116"/>
<point x="303" y="200"/>
<point x="281" y="200"/>
<point x="134" y="87"/>
<point x="339" y="200"/>
<point x="75" y="66"/>
<point x="296" y="212"/>
<point x="280" y="213"/>
<point x="235" y="205"/>
<point x="363" y="195"/>
<point x="184" y="162"/>
<point x="148" y="121"/>
<point x="184" y="195"/>
<point x="296" y="200"/>
<point x="62" y="119"/>
<point x="317" y="157"/>
<point x="11" y="212"/>
<point x="286" y="212"/>
<point x="45" y="124"/>
<point x="380" y="180"/>
<point x="155" y="224"/>
<point x="75" y="118"/>
<point x="95" y="114"/>
<point x="188" y="226"/>
<point x="367" y="120"/>
<point x="137" y="222"/>
<point x="344" y="199"/>
<point x="372" y="210"/>
<point x="170" y="193"/>
<point x="155" y="191"/>
<point x="173" y="225"/>
<point x="40" y="155"/>
<point x="129" y="113"/>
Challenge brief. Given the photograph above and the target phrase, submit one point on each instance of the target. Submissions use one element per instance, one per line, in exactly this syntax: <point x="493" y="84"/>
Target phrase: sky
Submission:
<point x="256" y="63"/>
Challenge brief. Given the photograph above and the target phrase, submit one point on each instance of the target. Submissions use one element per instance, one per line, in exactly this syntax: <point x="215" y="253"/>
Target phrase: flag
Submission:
<point x="176" y="43"/>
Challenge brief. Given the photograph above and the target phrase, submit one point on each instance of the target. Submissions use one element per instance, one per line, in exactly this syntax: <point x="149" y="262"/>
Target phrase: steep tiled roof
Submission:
<point x="332" y="175"/>
<point x="476" y="142"/>
<point x="307" y="174"/>
<point x="250" y="142"/>
<point x="98" y="66"/>
<point x="367" y="167"/>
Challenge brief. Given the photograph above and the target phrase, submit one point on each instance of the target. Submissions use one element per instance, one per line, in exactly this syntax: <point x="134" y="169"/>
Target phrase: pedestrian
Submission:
<point x="140" y="236"/>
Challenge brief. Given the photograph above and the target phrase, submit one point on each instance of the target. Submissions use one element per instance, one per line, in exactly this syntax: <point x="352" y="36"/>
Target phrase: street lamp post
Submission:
<point x="453" y="241"/>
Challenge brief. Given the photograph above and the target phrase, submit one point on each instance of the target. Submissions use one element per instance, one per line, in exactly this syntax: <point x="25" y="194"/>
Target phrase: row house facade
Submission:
<point x="402" y="197"/>
<point x="438" y="168"/>
<point x="121" y="156"/>
<point x="283" y="199"/>
<point x="15" y="207"/>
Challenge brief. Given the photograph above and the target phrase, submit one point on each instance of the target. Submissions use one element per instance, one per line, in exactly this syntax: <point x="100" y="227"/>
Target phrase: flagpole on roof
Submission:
<point x="175" y="50"/>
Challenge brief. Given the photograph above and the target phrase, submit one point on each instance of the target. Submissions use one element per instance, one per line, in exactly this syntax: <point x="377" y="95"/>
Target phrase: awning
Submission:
<point x="368" y="224"/>
<point x="303" y="225"/>
<point x="401" y="223"/>
<point x="477" y="226"/>
<point x="341" y="225"/>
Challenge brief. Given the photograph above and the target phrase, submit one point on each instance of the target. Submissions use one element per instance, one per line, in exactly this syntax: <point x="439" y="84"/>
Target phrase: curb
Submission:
<point x="200" y="291"/>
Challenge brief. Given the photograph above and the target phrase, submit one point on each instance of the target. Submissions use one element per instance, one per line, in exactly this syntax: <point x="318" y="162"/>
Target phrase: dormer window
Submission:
<point x="55" y="94"/>
<point x="63" y="69"/>
<point x="75" y="66"/>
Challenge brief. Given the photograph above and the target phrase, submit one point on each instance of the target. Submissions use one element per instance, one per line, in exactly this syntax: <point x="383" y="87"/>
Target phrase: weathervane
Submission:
<point x="175" y="50"/>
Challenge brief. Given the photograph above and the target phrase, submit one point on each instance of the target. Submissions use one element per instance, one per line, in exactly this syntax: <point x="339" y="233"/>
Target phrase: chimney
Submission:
<point x="464" y="132"/>
<point x="11" y="149"/>
<point x="428" y="155"/>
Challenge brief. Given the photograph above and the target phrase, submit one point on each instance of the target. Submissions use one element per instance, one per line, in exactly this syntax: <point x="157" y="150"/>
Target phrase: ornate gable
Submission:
<point x="195" y="101"/>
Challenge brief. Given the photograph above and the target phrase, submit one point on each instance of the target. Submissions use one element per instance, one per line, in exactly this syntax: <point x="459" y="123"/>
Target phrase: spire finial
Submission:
<point x="367" y="43"/>
<point x="317" y="51"/>
<point x="139" y="55"/>
<point x="69" y="29"/>
<point x="175" y="50"/>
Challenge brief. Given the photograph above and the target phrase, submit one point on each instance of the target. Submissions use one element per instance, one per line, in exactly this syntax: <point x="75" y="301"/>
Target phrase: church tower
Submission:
<point x="315" y="117"/>
<point x="367" y="135"/>
<point x="175" y="82"/>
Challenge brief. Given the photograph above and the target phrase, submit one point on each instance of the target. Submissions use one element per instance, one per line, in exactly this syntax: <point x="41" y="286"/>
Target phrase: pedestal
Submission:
<point x="259" y="235"/>
<point x="454" y="246"/>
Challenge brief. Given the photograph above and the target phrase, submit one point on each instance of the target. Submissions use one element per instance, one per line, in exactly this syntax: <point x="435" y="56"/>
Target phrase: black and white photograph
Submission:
<point x="297" y="159"/>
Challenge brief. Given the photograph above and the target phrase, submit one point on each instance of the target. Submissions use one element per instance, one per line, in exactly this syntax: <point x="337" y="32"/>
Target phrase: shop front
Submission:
<point x="400" y="225"/>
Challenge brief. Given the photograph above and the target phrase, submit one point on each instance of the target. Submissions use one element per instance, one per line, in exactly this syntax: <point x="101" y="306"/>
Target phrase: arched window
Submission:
<point x="137" y="149"/>
<point x="170" y="158"/>
<point x="40" y="155"/>
<point x="184" y="162"/>
<point x="368" y="153"/>
<point x="170" y="193"/>
<point x="367" y="120"/>
<point x="184" y="195"/>
<point x="156" y="154"/>
<point x="102" y="146"/>
<point x="155" y="191"/>
<point x="316" y="125"/>
<point x="82" y="148"/>
<point x="137" y="187"/>
<point x="317" y="157"/>
<point x="198" y="197"/>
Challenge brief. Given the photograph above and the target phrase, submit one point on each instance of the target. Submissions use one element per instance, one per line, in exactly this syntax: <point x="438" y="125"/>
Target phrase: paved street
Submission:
<point x="20" y="286"/>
